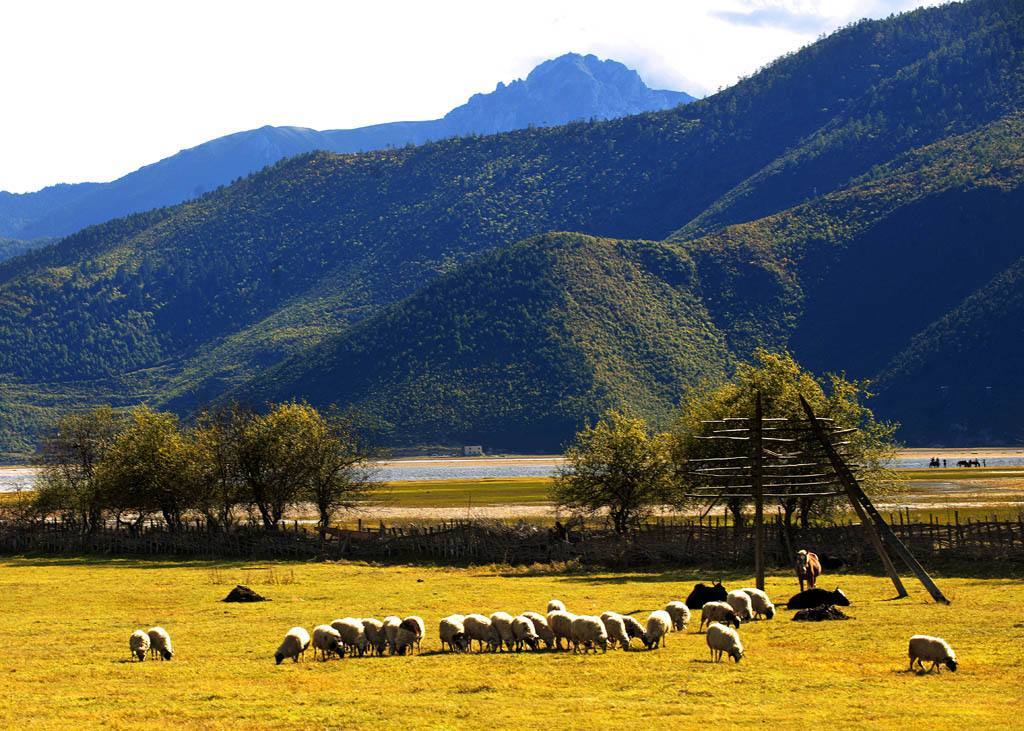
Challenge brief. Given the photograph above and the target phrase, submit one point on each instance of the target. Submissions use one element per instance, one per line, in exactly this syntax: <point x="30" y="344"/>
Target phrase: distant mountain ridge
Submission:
<point x="858" y="202"/>
<point x="570" y="87"/>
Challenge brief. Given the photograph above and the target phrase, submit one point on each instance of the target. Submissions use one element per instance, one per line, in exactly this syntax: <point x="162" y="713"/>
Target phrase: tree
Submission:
<point x="69" y="458"/>
<point x="147" y="466"/>
<point x="339" y="473"/>
<point x="780" y="380"/>
<point x="215" y="480"/>
<point x="616" y="467"/>
<point x="275" y="457"/>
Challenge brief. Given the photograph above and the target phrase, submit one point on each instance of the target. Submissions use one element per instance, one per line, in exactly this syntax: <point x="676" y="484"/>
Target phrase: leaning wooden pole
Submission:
<point x="854" y="493"/>
<point x="757" y="480"/>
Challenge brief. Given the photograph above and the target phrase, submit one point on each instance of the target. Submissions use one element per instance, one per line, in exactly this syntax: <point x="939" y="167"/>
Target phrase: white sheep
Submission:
<point x="718" y="612"/>
<point x="421" y="629"/>
<point x="659" y="624"/>
<point x="452" y="631"/>
<point x="634" y="629"/>
<point x="524" y="633"/>
<point x="931" y="649"/>
<point x="501" y="630"/>
<point x="478" y="627"/>
<point x="680" y="614"/>
<point x="560" y="622"/>
<point x="294" y="645"/>
<point x="376" y="640"/>
<point x="540" y="626"/>
<point x="741" y="604"/>
<point x="761" y="603"/>
<point x="589" y="632"/>
<point x="555" y="605"/>
<point x="391" y="624"/>
<point x="724" y="639"/>
<point x="352" y="632"/>
<point x="410" y="631"/>
<point x="616" y="629"/>
<point x="138" y="643"/>
<point x="160" y="643"/>
<point x="326" y="638"/>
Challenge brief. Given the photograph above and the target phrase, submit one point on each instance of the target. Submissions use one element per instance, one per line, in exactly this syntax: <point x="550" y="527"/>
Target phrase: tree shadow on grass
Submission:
<point x="139" y="562"/>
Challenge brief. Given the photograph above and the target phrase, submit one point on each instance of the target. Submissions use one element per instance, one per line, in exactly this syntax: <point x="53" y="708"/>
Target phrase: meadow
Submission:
<point x="65" y="624"/>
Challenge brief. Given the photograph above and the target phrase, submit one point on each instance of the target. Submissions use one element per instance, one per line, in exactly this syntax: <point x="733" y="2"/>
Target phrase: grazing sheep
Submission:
<point x="138" y="643"/>
<point x="634" y="629"/>
<point x="560" y="622"/>
<point x="742" y="604"/>
<point x="160" y="643"/>
<point x="718" y="612"/>
<point x="808" y="568"/>
<point x="391" y="624"/>
<point x="478" y="627"/>
<point x="421" y="629"/>
<point x="659" y="624"/>
<point x="761" y="603"/>
<point x="352" y="632"/>
<point x="590" y="633"/>
<point x="680" y="614"/>
<point x="524" y="633"/>
<point x="931" y="649"/>
<point x="702" y="594"/>
<point x="724" y="639"/>
<point x="555" y="605"/>
<point x="326" y="638"/>
<point x="293" y="646"/>
<point x="376" y="640"/>
<point x="406" y="636"/>
<point x="540" y="626"/>
<point x="616" y="629"/>
<point x="452" y="632"/>
<point x="812" y="598"/>
<point x="501" y="630"/>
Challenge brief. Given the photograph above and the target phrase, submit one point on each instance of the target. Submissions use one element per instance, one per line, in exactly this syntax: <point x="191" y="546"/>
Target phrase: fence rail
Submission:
<point x="706" y="543"/>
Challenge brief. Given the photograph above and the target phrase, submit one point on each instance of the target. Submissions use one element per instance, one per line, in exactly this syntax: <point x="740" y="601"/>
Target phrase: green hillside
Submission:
<point x="840" y="202"/>
<point x="519" y="347"/>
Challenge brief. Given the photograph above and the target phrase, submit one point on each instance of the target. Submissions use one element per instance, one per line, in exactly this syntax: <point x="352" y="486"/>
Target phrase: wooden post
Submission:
<point x="757" y="480"/>
<point x="864" y="507"/>
<point x="849" y="484"/>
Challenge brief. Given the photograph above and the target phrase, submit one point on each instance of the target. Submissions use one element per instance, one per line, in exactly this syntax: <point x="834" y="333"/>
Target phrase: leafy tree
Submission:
<point x="339" y="473"/>
<point x="780" y="380"/>
<point x="276" y="457"/>
<point x="616" y="467"/>
<point x="147" y="466"/>
<point x="216" y="484"/>
<point x="69" y="458"/>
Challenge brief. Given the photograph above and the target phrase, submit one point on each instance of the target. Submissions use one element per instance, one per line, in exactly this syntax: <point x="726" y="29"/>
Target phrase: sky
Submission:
<point x="93" y="90"/>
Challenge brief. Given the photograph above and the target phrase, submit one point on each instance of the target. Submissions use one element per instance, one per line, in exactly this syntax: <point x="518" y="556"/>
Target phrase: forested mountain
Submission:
<point x="843" y="202"/>
<point x="561" y="90"/>
<point x="520" y="344"/>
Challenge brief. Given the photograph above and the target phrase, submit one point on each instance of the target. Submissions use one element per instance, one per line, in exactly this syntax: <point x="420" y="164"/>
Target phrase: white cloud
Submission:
<point x="94" y="90"/>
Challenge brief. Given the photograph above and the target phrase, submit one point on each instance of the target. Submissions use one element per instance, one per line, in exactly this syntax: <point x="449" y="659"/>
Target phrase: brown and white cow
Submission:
<point x="808" y="568"/>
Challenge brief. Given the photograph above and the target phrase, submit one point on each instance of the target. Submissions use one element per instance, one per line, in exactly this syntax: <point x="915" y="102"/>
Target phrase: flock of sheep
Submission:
<point x="558" y="629"/>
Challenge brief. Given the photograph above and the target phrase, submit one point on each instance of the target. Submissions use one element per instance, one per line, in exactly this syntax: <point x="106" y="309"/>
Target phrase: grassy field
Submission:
<point x="65" y="626"/>
<point x="460" y="493"/>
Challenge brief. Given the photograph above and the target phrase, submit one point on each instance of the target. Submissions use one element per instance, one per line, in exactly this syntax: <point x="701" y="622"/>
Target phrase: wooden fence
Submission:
<point x="705" y="543"/>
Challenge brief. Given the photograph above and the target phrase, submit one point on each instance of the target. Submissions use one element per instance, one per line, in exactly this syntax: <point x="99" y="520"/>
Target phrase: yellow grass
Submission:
<point x="65" y="625"/>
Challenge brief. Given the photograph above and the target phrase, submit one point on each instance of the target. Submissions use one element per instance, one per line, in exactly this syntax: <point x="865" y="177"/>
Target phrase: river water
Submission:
<point x="13" y="479"/>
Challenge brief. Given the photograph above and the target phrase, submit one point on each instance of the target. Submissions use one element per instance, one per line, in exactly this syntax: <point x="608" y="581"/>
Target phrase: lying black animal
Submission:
<point x="819" y="614"/>
<point x="817" y="598"/>
<point x="702" y="594"/>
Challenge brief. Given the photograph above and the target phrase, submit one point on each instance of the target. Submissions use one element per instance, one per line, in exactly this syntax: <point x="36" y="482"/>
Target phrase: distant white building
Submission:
<point x="473" y="450"/>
